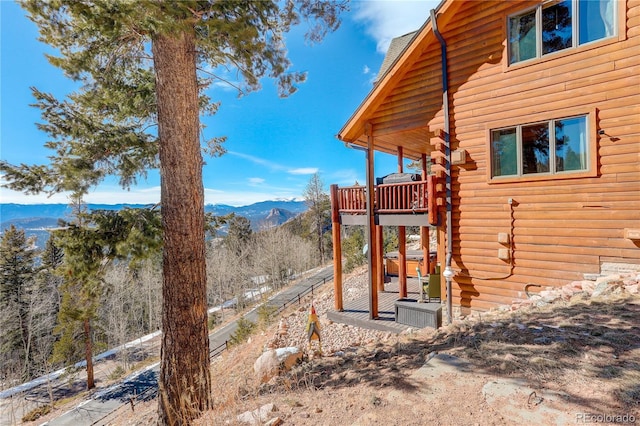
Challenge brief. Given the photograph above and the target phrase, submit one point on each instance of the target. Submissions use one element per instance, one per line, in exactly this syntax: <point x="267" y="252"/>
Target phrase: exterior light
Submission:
<point x="448" y="273"/>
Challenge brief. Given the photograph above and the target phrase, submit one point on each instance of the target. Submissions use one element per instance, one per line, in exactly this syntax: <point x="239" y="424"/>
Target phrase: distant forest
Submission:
<point x="101" y="270"/>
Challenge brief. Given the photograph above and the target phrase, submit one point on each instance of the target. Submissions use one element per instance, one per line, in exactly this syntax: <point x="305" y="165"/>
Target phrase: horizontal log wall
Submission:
<point x="560" y="228"/>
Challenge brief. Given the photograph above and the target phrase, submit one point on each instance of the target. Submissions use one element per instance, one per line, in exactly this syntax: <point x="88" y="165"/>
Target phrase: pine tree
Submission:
<point x="127" y="87"/>
<point x="90" y="242"/>
<point x="239" y="235"/>
<point x="45" y="306"/>
<point x="319" y="205"/>
<point x="81" y="270"/>
<point x="17" y="276"/>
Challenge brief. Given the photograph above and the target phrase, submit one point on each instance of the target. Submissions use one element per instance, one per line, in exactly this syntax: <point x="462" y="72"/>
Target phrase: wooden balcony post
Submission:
<point x="371" y="225"/>
<point x="402" y="242"/>
<point x="379" y="256"/>
<point x="402" y="260"/>
<point x="337" y="249"/>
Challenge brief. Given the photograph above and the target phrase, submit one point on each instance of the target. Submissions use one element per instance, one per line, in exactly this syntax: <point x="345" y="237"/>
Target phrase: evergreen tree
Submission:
<point x="239" y="235"/>
<point x="352" y="247"/>
<point x="45" y="306"/>
<point x="127" y="87"/>
<point x="319" y="204"/>
<point x="89" y="243"/>
<point x="82" y="286"/>
<point x="17" y="276"/>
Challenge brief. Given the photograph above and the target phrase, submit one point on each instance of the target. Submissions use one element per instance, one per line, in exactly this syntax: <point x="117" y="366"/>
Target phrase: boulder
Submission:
<point x="257" y="416"/>
<point x="632" y="289"/>
<point x="266" y="366"/>
<point x="607" y="285"/>
<point x="588" y="286"/>
<point x="272" y="361"/>
<point x="288" y="357"/>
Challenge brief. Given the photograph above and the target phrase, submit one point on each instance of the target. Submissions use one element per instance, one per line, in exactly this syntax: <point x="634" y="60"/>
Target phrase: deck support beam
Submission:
<point x="379" y="256"/>
<point x="337" y="250"/>
<point x="371" y="226"/>
<point x="402" y="242"/>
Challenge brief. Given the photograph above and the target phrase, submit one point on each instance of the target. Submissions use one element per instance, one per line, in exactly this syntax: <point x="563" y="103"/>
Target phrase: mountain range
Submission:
<point x="36" y="218"/>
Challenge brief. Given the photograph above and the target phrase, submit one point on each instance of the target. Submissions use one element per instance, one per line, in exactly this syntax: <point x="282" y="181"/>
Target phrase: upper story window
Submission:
<point x="549" y="147"/>
<point x="557" y="25"/>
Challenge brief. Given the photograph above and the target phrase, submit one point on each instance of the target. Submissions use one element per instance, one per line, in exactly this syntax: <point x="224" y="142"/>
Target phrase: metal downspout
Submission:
<point x="448" y="272"/>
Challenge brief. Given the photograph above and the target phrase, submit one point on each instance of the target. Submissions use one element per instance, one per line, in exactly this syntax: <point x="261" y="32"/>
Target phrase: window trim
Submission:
<point x="620" y="25"/>
<point x="591" y="149"/>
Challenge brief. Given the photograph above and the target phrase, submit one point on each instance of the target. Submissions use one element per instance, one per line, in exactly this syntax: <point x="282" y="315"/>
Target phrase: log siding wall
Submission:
<point x="561" y="227"/>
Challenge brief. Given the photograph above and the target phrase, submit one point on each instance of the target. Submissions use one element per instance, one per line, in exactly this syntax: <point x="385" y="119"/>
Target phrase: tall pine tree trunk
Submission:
<point x="88" y="354"/>
<point x="184" y="371"/>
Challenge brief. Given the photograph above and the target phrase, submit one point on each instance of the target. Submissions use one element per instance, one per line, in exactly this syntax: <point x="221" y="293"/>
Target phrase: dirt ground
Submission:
<point x="573" y="361"/>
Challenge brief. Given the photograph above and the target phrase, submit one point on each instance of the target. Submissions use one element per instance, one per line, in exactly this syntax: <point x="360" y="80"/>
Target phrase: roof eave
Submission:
<point x="354" y="128"/>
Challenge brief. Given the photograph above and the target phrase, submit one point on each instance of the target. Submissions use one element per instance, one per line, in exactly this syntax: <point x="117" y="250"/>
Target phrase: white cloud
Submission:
<point x="101" y="196"/>
<point x="303" y="171"/>
<point x="387" y="19"/>
<point x="366" y="70"/>
<point x="257" y="160"/>
<point x="255" y="181"/>
<point x="273" y="166"/>
<point x="151" y="196"/>
<point x="347" y="177"/>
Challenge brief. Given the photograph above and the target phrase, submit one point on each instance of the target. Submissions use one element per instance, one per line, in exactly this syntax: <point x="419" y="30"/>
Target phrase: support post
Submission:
<point x="379" y="256"/>
<point x="371" y="225"/>
<point x="402" y="242"/>
<point x="337" y="249"/>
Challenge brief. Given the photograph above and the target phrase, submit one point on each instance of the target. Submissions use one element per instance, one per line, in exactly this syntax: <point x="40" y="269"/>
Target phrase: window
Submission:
<point x="558" y="25"/>
<point x="549" y="147"/>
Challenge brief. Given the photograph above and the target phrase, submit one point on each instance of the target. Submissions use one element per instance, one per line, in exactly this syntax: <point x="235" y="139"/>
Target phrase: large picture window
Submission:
<point x="558" y="25"/>
<point x="548" y="147"/>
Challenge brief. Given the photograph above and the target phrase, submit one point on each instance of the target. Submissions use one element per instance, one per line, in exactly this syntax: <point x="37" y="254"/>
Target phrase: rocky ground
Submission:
<point x="565" y="356"/>
<point x="571" y="356"/>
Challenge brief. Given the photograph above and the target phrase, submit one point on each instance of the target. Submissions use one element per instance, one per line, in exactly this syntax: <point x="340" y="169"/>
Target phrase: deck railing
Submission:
<point x="396" y="198"/>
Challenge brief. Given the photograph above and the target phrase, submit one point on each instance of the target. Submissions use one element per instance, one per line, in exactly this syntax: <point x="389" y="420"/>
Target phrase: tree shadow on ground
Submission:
<point x="595" y="340"/>
<point x="141" y="387"/>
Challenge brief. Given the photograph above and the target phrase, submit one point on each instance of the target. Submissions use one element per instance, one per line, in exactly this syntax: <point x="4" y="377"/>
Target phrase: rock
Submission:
<point x="510" y="357"/>
<point x="283" y="328"/>
<point x="632" y="289"/>
<point x="575" y="284"/>
<point x="606" y="286"/>
<point x="266" y="366"/>
<point x="274" y="422"/>
<point x="609" y="279"/>
<point x="257" y="416"/>
<point x="588" y="286"/>
<point x="288" y="357"/>
<point x="272" y="361"/>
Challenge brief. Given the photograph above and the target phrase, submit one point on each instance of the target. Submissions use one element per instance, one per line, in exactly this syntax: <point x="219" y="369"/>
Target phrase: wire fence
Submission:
<point x="297" y="299"/>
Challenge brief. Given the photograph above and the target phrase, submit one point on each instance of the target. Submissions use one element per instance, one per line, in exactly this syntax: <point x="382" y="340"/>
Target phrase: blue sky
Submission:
<point x="274" y="145"/>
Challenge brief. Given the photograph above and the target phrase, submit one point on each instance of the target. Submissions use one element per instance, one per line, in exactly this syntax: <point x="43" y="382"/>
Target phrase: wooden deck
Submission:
<point x="356" y="312"/>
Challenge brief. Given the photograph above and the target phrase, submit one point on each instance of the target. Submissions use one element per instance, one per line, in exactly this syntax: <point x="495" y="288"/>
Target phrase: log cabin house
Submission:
<point x="529" y="114"/>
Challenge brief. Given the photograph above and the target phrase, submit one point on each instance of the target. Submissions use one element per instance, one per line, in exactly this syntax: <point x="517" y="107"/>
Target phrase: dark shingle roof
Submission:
<point x="396" y="47"/>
